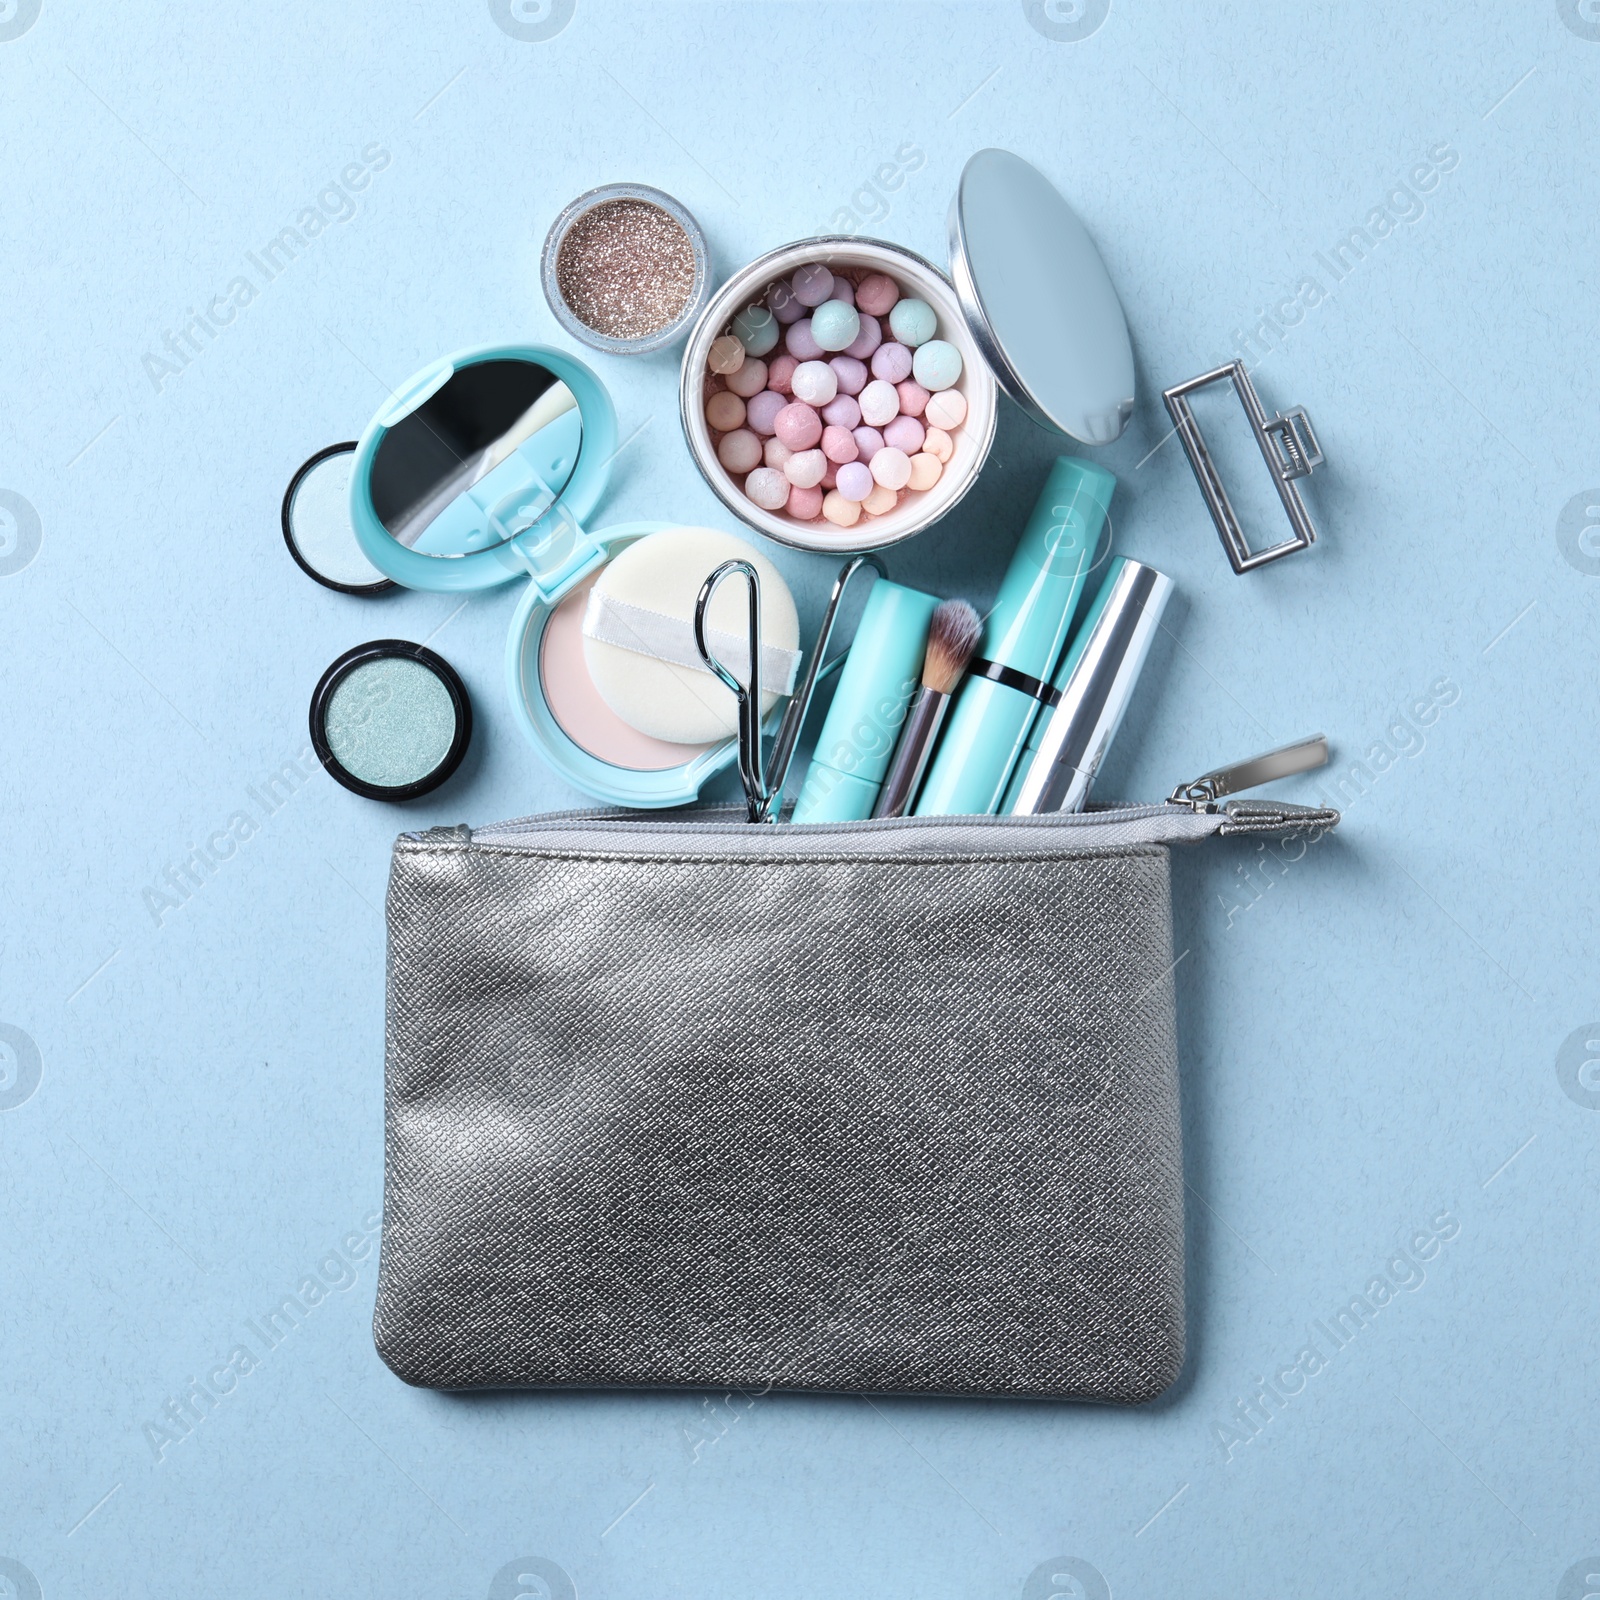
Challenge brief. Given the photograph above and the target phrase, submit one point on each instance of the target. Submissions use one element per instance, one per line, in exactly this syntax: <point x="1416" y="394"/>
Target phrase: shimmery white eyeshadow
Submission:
<point x="319" y="516"/>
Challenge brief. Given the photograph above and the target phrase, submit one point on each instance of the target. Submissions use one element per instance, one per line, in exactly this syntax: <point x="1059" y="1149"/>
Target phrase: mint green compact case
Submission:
<point x="483" y="470"/>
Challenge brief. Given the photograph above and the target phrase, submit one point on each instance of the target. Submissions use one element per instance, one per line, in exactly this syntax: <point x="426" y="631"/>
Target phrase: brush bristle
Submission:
<point x="952" y="637"/>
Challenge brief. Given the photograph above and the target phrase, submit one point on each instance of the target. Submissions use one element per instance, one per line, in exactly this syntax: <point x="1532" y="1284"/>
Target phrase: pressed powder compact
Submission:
<point x="316" y="525"/>
<point x="483" y="469"/>
<point x="391" y="720"/>
<point x="625" y="269"/>
<point x="578" y="707"/>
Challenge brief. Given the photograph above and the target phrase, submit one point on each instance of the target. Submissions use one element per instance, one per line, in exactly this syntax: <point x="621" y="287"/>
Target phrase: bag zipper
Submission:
<point x="733" y="819"/>
<point x="1199" y="798"/>
<point x="1203" y="792"/>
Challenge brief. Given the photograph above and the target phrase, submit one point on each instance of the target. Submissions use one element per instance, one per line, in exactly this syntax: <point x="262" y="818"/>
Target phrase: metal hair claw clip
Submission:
<point x="1287" y="444"/>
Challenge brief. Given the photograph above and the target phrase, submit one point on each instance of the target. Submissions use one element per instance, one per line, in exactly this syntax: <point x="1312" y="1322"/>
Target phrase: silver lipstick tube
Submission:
<point x="1096" y="682"/>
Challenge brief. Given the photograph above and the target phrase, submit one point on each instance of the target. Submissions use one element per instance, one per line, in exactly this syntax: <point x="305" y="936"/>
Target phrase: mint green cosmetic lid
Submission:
<point x="1022" y="642"/>
<point x="876" y="684"/>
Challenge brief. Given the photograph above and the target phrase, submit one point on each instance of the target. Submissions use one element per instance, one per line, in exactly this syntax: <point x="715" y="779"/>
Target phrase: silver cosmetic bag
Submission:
<point x="882" y="1107"/>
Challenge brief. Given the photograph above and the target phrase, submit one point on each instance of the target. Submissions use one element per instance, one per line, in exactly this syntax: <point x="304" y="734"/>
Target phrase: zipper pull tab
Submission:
<point x="1284" y="762"/>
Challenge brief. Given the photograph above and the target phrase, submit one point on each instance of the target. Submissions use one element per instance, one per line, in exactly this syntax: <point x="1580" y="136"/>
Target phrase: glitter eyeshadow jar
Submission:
<point x="391" y="720"/>
<point x="625" y="269"/>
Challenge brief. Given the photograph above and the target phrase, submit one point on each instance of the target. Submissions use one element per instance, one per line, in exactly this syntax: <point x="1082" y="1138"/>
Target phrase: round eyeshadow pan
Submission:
<point x="390" y="720"/>
<point x="316" y="525"/>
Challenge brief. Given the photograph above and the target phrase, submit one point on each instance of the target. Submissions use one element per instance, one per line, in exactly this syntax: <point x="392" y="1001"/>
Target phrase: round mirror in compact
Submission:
<point x="471" y="455"/>
<point x="483" y="470"/>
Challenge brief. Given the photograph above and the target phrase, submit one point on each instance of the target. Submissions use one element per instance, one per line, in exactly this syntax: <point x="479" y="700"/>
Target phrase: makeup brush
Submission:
<point x="952" y="637"/>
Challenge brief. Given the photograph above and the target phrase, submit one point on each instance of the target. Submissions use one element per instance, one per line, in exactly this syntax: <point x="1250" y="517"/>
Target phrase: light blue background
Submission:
<point x="1368" y="1041"/>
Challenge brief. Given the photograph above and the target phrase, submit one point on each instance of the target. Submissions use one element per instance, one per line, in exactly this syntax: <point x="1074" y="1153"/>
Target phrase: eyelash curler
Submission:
<point x="764" y="775"/>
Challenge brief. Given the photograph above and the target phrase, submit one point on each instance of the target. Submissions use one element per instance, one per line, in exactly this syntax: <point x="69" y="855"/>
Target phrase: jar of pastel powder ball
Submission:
<point x="834" y="405"/>
<point x="833" y="396"/>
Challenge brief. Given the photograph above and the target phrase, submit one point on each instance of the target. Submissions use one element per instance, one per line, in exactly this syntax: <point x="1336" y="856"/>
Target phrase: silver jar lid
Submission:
<point x="1039" y="300"/>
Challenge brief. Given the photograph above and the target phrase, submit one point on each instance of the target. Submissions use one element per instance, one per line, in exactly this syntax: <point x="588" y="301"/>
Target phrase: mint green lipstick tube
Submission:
<point x="1022" y="641"/>
<point x="876" y="684"/>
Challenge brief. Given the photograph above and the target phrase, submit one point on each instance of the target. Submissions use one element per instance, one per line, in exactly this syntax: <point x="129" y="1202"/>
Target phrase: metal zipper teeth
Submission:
<point x="603" y="818"/>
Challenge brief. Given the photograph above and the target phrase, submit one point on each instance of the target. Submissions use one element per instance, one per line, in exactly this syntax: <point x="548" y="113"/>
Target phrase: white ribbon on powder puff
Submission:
<point x="653" y="633"/>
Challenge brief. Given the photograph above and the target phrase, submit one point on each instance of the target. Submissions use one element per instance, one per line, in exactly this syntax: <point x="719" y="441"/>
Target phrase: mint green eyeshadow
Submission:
<point x="390" y="722"/>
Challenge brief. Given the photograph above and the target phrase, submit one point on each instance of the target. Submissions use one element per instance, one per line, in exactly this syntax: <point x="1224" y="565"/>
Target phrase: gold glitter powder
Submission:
<point x="625" y="269"/>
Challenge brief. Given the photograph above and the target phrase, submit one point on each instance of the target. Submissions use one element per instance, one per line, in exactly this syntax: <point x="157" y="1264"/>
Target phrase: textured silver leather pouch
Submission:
<point x="886" y="1107"/>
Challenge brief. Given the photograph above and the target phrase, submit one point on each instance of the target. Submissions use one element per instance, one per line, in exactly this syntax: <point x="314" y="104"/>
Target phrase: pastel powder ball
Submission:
<point x="839" y="445"/>
<point x="913" y="322"/>
<point x="891" y="468"/>
<point x="913" y="397"/>
<point x="784" y="306"/>
<point x="806" y="504"/>
<point x="868" y="442"/>
<point x="768" y="488"/>
<point x="842" y="412"/>
<point x="775" y="453"/>
<point x="867" y="340"/>
<point x="814" y="382"/>
<point x="925" y="470"/>
<point x="879" y="403"/>
<point x="780" y="374"/>
<point x="904" y="433"/>
<point x="756" y="329"/>
<point x="761" y="412"/>
<point x="739" y="451"/>
<point x="812" y="283"/>
<point x="725" y="355"/>
<point x="837" y="509"/>
<point x="939" y="444"/>
<point x="891" y="362"/>
<point x="936" y="365"/>
<point x="947" y="409"/>
<point x="834" y="325"/>
<point x="751" y="379"/>
<point x="879" y="501"/>
<point x="804" y="469"/>
<point x="877" y="294"/>
<point x="855" y="480"/>
<point x="798" y="341"/>
<point x="725" y="412"/>
<point x="849" y="373"/>
<point x="798" y="425"/>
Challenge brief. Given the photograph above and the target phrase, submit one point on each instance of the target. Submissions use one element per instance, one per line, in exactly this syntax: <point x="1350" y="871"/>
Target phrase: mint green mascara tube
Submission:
<point x="876" y="684"/>
<point x="1023" y="639"/>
